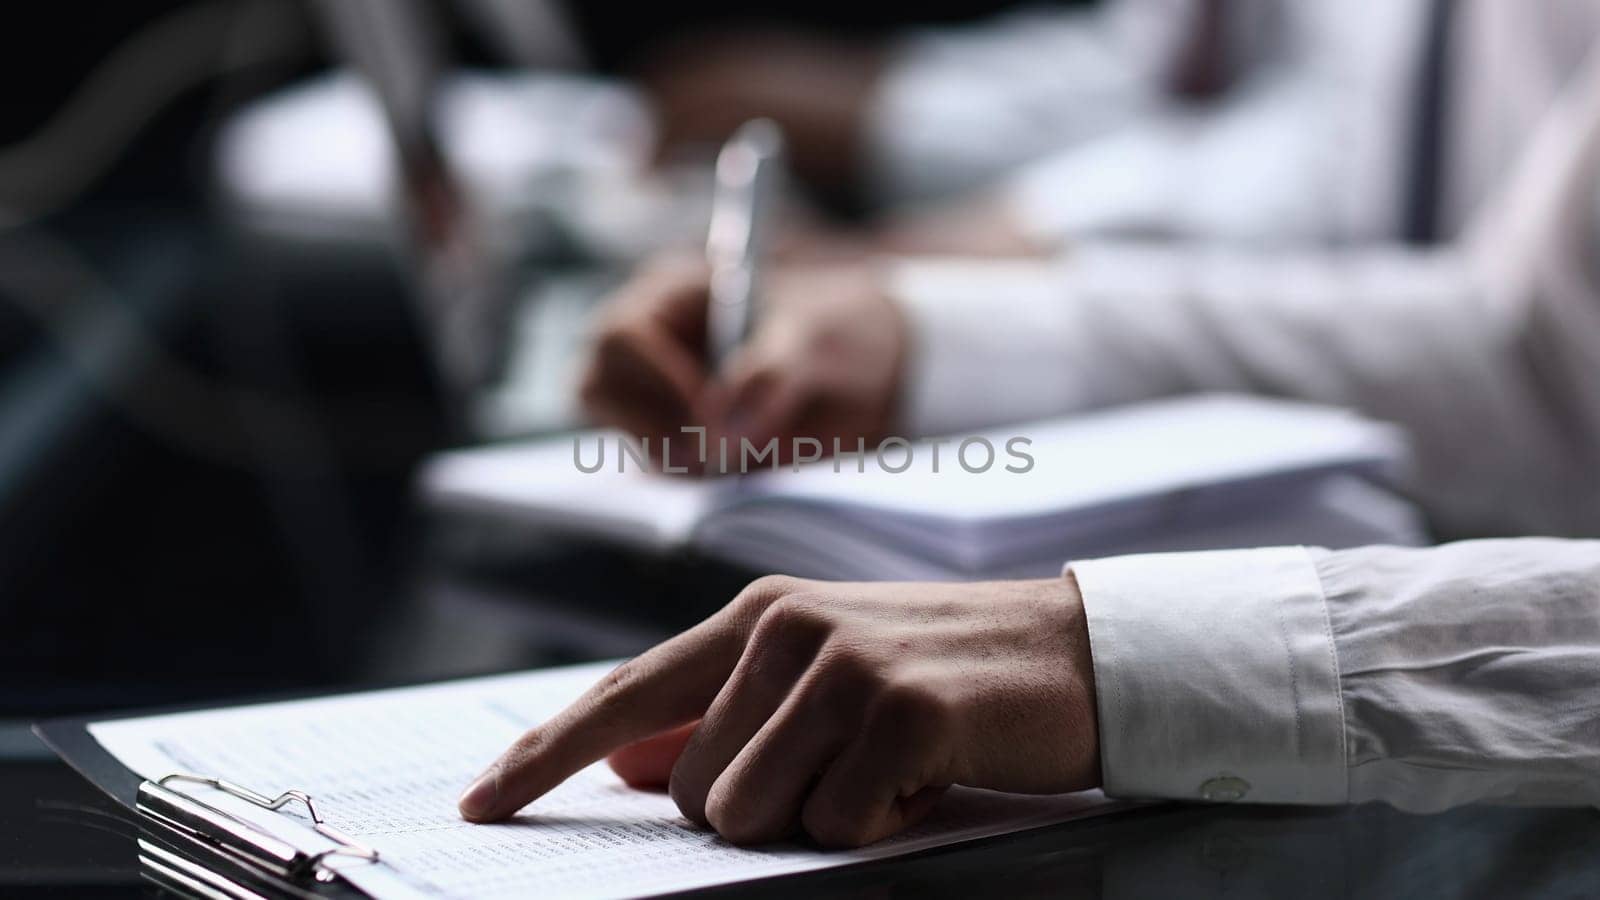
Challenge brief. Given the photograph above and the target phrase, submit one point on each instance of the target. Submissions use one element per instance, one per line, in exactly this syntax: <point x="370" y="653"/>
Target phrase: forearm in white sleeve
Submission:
<point x="1303" y="147"/>
<point x="955" y="108"/>
<point x="1501" y="427"/>
<point x="1290" y="158"/>
<point x="1486" y="353"/>
<point x="1422" y="678"/>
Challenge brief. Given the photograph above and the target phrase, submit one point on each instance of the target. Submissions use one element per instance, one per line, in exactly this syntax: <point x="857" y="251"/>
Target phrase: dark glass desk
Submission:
<point x="60" y="838"/>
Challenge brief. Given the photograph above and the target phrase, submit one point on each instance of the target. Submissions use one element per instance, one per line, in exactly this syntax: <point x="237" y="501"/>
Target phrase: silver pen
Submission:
<point x="748" y="176"/>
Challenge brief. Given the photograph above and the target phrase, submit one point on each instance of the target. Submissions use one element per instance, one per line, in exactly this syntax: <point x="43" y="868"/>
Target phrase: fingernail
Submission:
<point x="479" y="798"/>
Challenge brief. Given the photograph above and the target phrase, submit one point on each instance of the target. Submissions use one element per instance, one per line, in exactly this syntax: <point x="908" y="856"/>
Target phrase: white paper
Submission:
<point x="540" y="483"/>
<point x="1080" y="464"/>
<point x="1169" y="475"/>
<point x="386" y="767"/>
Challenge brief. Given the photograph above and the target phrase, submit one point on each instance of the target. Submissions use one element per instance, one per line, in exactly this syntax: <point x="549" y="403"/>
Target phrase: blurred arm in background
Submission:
<point x="939" y="111"/>
<point x="1252" y="120"/>
<point x="1302" y="143"/>
<point x="1485" y="349"/>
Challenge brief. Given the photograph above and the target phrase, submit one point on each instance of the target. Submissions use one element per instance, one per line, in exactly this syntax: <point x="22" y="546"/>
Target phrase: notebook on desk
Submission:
<point x="382" y="770"/>
<point x="1189" y="474"/>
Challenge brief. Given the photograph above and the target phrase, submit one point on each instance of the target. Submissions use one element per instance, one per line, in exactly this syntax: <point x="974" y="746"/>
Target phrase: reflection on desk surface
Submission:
<point x="59" y="838"/>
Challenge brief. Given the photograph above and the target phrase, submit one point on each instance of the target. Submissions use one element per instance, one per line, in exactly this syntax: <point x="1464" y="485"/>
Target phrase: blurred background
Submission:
<point x="218" y="369"/>
<point x="262" y="260"/>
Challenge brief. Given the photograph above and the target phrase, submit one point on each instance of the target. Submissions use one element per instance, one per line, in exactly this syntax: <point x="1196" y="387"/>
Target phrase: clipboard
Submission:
<point x="194" y="849"/>
<point x="219" y="859"/>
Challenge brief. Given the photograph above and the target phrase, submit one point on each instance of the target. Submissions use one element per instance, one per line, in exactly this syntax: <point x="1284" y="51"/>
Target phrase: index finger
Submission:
<point x="668" y="685"/>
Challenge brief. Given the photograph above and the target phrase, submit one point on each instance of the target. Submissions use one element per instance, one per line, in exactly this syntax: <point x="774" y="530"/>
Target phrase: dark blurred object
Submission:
<point x="618" y="31"/>
<point x="463" y="286"/>
<point x="205" y="448"/>
<point x="1201" y="70"/>
<point x="809" y="67"/>
<point x="203" y="481"/>
<point x="1429" y="162"/>
<point x="121" y="100"/>
<point x="818" y="89"/>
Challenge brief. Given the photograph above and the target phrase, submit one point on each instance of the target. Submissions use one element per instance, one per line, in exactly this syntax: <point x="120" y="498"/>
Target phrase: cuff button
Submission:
<point x="1224" y="789"/>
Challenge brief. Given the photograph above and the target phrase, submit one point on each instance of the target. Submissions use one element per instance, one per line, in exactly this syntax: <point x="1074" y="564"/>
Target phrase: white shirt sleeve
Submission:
<point x="1423" y="678"/>
<point x="957" y="107"/>
<point x="1078" y="102"/>
<point x="1290" y="157"/>
<point x="1491" y="376"/>
<point x="1484" y="352"/>
<point x="1307" y="147"/>
<point x="1427" y="341"/>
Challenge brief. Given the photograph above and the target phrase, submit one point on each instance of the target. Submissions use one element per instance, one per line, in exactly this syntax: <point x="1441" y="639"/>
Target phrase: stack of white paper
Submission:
<point x="1197" y="473"/>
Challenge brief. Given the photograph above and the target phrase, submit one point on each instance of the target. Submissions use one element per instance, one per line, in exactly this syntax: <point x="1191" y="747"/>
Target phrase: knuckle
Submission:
<point x="849" y="667"/>
<point x="688" y="795"/>
<point x="908" y="708"/>
<point x="764" y="368"/>
<point x="763" y="592"/>
<point x="615" y="339"/>
<point x="612" y="355"/>
<point x="808" y="385"/>
<point x="792" y="619"/>
<point x="732" y="819"/>
<point x="831" y="826"/>
<point x="777" y="585"/>
<point x="614" y="687"/>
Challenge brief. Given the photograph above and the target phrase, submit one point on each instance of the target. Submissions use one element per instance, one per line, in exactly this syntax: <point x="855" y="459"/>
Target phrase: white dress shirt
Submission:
<point x="1426" y="678"/>
<point x="1064" y="115"/>
<point x="956" y="108"/>
<point x="1067" y="115"/>
<point x="1423" y="678"/>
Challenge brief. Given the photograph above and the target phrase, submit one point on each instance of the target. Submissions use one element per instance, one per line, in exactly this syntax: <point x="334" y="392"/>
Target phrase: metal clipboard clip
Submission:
<point x="203" y="826"/>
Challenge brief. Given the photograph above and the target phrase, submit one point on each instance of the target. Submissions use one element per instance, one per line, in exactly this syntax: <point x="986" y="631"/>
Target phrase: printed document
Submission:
<point x="385" y="768"/>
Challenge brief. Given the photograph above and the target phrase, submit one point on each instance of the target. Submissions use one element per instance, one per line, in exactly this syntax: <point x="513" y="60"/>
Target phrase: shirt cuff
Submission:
<point x="1216" y="677"/>
<point x="990" y="343"/>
